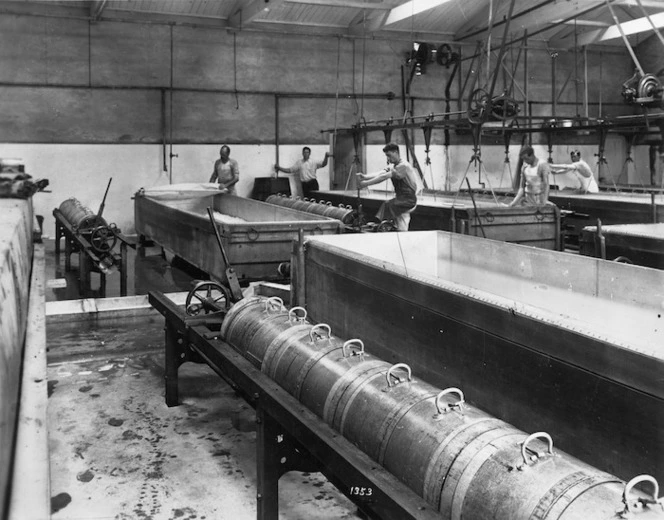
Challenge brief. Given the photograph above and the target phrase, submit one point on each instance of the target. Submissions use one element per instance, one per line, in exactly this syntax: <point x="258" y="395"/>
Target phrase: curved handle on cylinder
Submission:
<point x="459" y="404"/>
<point x="539" y="215"/>
<point x="328" y="203"/>
<point x="314" y="331"/>
<point x="274" y="302"/>
<point x="393" y="368"/>
<point x="524" y="446"/>
<point x="353" y="343"/>
<point x="635" y="505"/>
<point x="292" y="314"/>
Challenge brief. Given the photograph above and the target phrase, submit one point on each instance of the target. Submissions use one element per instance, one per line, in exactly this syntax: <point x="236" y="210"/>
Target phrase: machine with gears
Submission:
<point x="88" y="234"/>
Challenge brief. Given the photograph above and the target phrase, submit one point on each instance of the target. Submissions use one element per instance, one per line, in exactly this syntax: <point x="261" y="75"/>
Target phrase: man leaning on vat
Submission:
<point x="226" y="171"/>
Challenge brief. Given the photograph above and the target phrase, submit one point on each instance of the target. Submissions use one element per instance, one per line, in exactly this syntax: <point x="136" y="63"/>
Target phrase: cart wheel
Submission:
<point x="103" y="239"/>
<point x="207" y="297"/>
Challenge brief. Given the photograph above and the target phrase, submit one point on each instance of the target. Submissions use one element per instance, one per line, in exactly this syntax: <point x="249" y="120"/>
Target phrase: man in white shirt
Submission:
<point x="580" y="168"/>
<point x="306" y="168"/>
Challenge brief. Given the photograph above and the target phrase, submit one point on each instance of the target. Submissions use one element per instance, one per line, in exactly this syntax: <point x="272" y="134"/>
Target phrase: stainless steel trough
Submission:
<point x="544" y="340"/>
<point x="257" y="236"/>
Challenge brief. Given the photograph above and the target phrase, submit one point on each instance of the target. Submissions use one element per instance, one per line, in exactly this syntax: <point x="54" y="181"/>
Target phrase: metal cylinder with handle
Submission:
<point x="464" y="462"/>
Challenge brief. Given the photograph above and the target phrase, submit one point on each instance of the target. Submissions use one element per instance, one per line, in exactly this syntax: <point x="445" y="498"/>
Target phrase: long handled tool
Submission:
<point x="231" y="277"/>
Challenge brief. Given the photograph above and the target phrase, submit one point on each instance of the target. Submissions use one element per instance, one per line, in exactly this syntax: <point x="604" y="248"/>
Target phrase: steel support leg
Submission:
<point x="68" y="250"/>
<point x="102" y="285"/>
<point x="174" y="358"/>
<point x="268" y="462"/>
<point x="83" y="274"/>
<point x="276" y="454"/>
<point x="58" y="236"/>
<point x="123" y="269"/>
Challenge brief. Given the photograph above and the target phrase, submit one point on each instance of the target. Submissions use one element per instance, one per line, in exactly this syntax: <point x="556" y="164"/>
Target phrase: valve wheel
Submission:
<point x="207" y="297"/>
<point x="386" y="226"/>
<point x="103" y="239"/>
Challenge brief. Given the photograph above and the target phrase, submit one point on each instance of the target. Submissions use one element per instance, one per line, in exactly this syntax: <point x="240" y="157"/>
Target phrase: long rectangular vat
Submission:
<point x="546" y="341"/>
<point x="257" y="236"/>
<point x="539" y="227"/>
<point x="640" y="244"/>
<point x="16" y="252"/>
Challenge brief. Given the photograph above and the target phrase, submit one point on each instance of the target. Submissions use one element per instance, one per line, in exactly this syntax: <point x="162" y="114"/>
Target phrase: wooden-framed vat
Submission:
<point x="546" y="341"/>
<point x="534" y="226"/>
<point x="256" y="239"/>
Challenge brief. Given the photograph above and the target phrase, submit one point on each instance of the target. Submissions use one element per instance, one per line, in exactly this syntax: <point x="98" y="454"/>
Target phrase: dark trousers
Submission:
<point x="308" y="187"/>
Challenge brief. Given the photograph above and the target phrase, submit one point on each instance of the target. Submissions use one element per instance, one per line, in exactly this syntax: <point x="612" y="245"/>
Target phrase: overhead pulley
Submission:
<point x="445" y="56"/>
<point x="645" y="90"/>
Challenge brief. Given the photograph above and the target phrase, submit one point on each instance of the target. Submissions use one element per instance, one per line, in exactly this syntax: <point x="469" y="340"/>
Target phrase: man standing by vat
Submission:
<point x="226" y="171"/>
<point x="306" y="170"/>
<point x="534" y="183"/>
<point x="580" y="168"/>
<point x="406" y="187"/>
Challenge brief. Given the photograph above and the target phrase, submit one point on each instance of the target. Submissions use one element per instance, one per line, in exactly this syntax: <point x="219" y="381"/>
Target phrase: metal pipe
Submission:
<point x="163" y="129"/>
<point x="170" y="118"/>
<point x="276" y="132"/>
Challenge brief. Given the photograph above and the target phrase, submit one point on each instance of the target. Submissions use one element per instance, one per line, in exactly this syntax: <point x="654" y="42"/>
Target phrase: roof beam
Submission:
<point x="410" y="9"/>
<point x="655" y="4"/>
<point x="22" y="8"/>
<point x="583" y="23"/>
<point x="250" y="10"/>
<point x="343" y="3"/>
<point x="637" y="26"/>
<point x="533" y="17"/>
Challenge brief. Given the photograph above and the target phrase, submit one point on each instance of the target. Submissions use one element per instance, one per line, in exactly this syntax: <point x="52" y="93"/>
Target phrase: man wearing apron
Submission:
<point x="226" y="171"/>
<point x="406" y="187"/>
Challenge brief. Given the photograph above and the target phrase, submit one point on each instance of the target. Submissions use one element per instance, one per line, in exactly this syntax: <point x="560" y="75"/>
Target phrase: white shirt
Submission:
<point x="306" y="169"/>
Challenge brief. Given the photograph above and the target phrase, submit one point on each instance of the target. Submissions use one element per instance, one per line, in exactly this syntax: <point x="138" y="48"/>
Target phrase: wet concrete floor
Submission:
<point x="118" y="452"/>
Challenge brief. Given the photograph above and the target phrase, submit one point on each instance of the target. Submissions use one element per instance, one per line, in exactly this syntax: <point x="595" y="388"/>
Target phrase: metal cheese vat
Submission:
<point x="543" y="340"/>
<point x="257" y="237"/>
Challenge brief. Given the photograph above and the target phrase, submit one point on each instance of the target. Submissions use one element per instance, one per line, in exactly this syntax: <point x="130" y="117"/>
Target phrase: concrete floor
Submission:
<point x="118" y="452"/>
